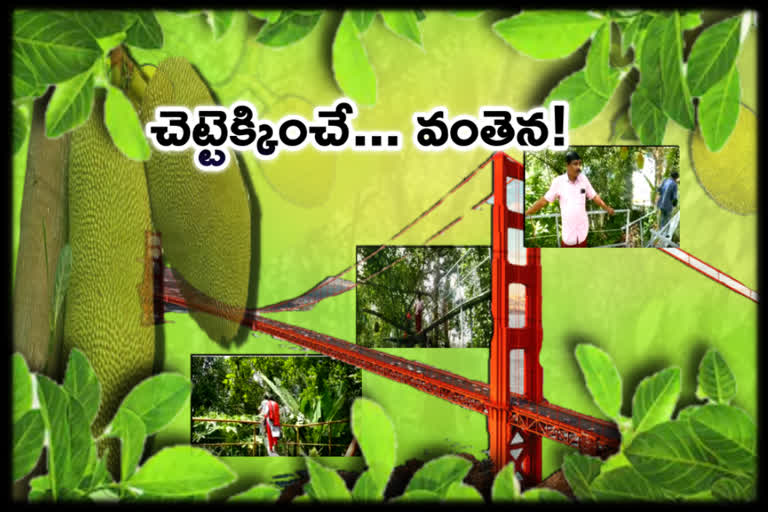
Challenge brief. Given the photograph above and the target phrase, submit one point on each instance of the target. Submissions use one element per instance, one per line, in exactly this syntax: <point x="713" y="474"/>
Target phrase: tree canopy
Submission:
<point x="453" y="284"/>
<point x="309" y="389"/>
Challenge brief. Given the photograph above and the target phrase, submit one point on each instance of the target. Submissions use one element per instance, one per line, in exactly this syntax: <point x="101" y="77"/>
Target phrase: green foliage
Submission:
<point x="716" y="381"/>
<point x="602" y="377"/>
<point x="75" y="470"/>
<point x="707" y="451"/>
<point x="667" y="84"/>
<point x="351" y="68"/>
<point x="563" y="31"/>
<point x="309" y="390"/>
<point x="445" y="279"/>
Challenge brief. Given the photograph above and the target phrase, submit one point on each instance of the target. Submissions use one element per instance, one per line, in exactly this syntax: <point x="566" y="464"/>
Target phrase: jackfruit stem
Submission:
<point x="127" y="75"/>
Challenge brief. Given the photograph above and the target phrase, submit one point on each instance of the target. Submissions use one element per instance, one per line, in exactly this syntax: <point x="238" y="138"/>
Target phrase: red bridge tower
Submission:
<point x="516" y="307"/>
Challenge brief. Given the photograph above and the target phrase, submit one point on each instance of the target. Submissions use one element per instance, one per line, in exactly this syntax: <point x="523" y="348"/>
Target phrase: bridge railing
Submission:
<point x="258" y="445"/>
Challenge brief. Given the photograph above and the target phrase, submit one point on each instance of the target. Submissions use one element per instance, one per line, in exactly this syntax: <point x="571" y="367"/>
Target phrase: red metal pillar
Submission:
<point x="516" y="307"/>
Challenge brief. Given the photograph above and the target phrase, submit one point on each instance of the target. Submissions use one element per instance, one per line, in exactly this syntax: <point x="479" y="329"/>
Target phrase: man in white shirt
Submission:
<point x="572" y="189"/>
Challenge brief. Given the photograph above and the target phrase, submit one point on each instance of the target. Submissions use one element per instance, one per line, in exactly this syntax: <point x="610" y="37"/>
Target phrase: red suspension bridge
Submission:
<point x="518" y="415"/>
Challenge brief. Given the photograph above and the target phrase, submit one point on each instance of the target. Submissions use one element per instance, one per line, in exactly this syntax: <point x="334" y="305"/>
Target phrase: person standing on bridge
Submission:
<point x="572" y="189"/>
<point x="668" y="197"/>
<point x="270" y="413"/>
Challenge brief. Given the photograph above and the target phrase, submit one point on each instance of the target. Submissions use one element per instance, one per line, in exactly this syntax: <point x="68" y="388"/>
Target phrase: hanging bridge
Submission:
<point x="518" y="414"/>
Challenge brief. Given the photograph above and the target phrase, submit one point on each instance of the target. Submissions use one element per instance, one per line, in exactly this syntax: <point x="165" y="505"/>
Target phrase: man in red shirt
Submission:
<point x="572" y="189"/>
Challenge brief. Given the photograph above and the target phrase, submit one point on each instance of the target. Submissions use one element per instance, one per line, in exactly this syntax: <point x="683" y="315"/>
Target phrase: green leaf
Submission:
<point x="375" y="435"/>
<point x="362" y="18"/>
<point x="438" y="474"/>
<point x="648" y="119"/>
<point x="258" y="493"/>
<point x="598" y="72"/>
<point x="713" y="54"/>
<point x="728" y="433"/>
<point x="403" y="23"/>
<point x="271" y="15"/>
<point x="655" y="399"/>
<point x="585" y="103"/>
<point x="461" y="492"/>
<point x="100" y="475"/>
<point x="420" y="15"/>
<point x="104" y="496"/>
<point x="719" y="110"/>
<point x="40" y="489"/>
<point x="54" y="405"/>
<point x="629" y="33"/>
<point x="418" y="495"/>
<point x="124" y="126"/>
<point x="639" y="38"/>
<point x="158" y="399"/>
<point x="562" y="31"/>
<point x="220" y="22"/>
<point x="468" y="13"/>
<point x="367" y="488"/>
<point x="70" y="105"/>
<point x="304" y="498"/>
<point x="28" y="437"/>
<point x="734" y="489"/>
<point x="625" y="483"/>
<point x="670" y="456"/>
<point x="182" y="471"/>
<point x="289" y="28"/>
<point x="81" y="442"/>
<point x="690" y="20"/>
<point x="602" y="378"/>
<point x="677" y="102"/>
<point x="81" y="383"/>
<point x="48" y="48"/>
<point x="351" y="68"/>
<point x="506" y="487"/>
<point x="102" y="23"/>
<point x="109" y="42"/>
<point x="23" y="89"/>
<point x="326" y="484"/>
<point x="145" y="32"/>
<point x="544" y="495"/>
<point x="580" y="470"/>
<point x="716" y="381"/>
<point x="684" y="414"/>
<point x="20" y="129"/>
<point x="61" y="282"/>
<point x="129" y="428"/>
<point x="22" y="387"/>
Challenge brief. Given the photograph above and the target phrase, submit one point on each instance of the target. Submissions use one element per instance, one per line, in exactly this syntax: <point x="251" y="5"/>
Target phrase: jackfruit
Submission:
<point x="204" y="217"/>
<point x="729" y="176"/>
<point x="108" y="216"/>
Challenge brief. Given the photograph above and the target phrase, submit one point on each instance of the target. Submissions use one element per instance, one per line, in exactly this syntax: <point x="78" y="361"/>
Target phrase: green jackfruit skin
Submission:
<point x="108" y="215"/>
<point x="204" y="218"/>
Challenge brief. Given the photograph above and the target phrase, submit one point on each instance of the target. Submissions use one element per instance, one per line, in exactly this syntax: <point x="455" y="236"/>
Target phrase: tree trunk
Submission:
<point x="44" y="200"/>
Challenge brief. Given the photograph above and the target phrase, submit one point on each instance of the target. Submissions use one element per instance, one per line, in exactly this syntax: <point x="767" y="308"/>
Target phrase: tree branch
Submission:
<point x="455" y="311"/>
<point x="389" y="321"/>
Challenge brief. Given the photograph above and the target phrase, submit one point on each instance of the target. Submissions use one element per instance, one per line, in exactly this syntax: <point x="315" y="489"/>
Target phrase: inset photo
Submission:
<point x="273" y="405"/>
<point x="603" y="196"/>
<point x="424" y="297"/>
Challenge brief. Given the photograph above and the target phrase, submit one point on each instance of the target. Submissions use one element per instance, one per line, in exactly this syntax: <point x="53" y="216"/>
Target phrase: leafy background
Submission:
<point x="643" y="307"/>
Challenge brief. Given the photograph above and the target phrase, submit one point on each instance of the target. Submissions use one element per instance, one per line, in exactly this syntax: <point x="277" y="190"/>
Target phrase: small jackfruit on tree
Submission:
<point x="204" y="218"/>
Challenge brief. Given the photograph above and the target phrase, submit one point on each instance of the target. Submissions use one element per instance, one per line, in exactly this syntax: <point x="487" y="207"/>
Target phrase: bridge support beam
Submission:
<point x="516" y="307"/>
